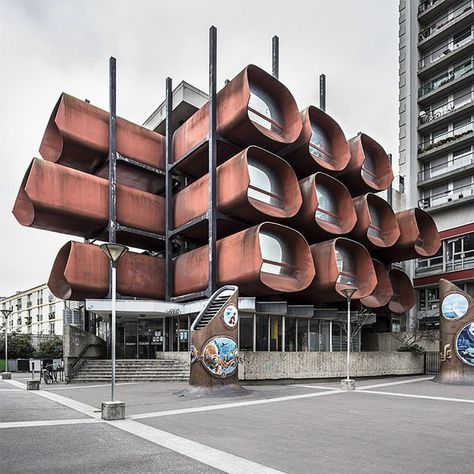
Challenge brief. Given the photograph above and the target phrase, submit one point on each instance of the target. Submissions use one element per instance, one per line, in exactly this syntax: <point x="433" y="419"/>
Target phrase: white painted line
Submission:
<point x="424" y="397"/>
<point x="319" y="387"/>
<point x="226" y="462"/>
<point x="10" y="390"/>
<point x="16" y="384"/>
<point x="68" y="402"/>
<point x="401" y="382"/>
<point x="42" y="423"/>
<point x="226" y="406"/>
<point x="76" y="387"/>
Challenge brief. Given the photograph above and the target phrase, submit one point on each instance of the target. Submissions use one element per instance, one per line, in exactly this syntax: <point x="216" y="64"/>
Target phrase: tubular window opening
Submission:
<point x="327" y="207"/>
<point x="375" y="226"/>
<point x="276" y="254"/>
<point x="264" y="110"/>
<point x="320" y="144"/>
<point x="368" y="167"/>
<point x="264" y="184"/>
<point x="346" y="266"/>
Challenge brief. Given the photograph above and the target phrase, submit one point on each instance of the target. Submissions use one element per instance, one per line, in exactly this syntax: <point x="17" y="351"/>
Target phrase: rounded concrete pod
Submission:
<point x="419" y="237"/>
<point x="77" y="136"/>
<point x="340" y="263"/>
<point x="404" y="296"/>
<point x="383" y="291"/>
<point x="369" y="168"/>
<point x="263" y="260"/>
<point x="60" y="199"/>
<point x="254" y="108"/>
<point x="321" y="146"/>
<point x="376" y="225"/>
<point x="81" y="271"/>
<point x="327" y="210"/>
<point x="253" y="186"/>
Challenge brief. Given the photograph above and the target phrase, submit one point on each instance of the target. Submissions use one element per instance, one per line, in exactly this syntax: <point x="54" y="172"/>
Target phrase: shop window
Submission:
<point x="290" y="334"/>
<point x="313" y="335"/>
<point x="275" y="333"/>
<point x="262" y="332"/>
<point x="246" y="332"/>
<point x="303" y="340"/>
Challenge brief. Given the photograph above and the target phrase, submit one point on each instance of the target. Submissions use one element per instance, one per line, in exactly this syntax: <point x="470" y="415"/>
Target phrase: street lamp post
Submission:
<point x="114" y="252"/>
<point x="347" y="383"/>
<point x="6" y="312"/>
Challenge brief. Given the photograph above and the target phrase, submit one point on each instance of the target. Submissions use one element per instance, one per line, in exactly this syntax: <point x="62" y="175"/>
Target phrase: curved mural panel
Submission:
<point x="220" y="356"/>
<point x="454" y="306"/>
<point x="230" y="316"/>
<point x="465" y="344"/>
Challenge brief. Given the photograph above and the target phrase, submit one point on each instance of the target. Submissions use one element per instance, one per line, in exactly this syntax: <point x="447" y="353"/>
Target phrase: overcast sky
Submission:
<point x="51" y="46"/>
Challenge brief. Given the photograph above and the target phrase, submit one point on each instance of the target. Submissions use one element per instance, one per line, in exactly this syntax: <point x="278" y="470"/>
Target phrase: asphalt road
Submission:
<point x="409" y="425"/>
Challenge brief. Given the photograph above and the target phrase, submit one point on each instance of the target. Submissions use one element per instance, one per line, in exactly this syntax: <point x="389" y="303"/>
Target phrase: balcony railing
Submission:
<point x="439" y="111"/>
<point x="438" y="53"/>
<point x="445" y="78"/>
<point x="444" y="20"/>
<point x="427" y="4"/>
<point x="448" y="167"/>
<point x="454" y="134"/>
<point x="447" y="196"/>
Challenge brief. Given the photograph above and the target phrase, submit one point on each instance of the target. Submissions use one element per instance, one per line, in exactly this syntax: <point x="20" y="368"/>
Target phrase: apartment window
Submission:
<point x="51" y="328"/>
<point x="264" y="110"/>
<point x="462" y="38"/>
<point x="430" y="264"/>
<point x="320" y="144"/>
<point x="264" y="185"/>
<point x="327" y="206"/>
<point x="462" y="97"/>
<point x="428" y="298"/>
<point x="276" y="254"/>
<point x="459" y="253"/>
<point x="346" y="266"/>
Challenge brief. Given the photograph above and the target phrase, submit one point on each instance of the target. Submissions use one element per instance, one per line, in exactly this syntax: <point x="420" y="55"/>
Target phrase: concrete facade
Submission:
<point x="436" y="139"/>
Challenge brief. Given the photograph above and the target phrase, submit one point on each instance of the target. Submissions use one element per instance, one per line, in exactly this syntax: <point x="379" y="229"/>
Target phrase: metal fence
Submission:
<point x="431" y="362"/>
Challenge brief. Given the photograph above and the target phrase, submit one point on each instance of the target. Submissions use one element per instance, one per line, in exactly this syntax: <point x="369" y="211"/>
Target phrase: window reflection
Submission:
<point x="320" y="144"/>
<point x="276" y="254"/>
<point x="264" y="185"/>
<point x="346" y="266"/>
<point x="264" y="110"/>
<point x="327" y="206"/>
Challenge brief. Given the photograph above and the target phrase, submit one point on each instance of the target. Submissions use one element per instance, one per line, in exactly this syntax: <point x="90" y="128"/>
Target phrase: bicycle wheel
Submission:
<point x="47" y="378"/>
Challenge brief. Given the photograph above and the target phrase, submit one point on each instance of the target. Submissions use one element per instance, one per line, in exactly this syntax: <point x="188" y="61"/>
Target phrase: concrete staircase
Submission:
<point x="132" y="370"/>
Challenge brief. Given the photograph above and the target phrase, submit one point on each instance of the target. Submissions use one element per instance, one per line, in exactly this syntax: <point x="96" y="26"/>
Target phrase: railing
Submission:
<point x="446" y="196"/>
<point x="75" y="366"/>
<point x="426" y="265"/>
<point x="432" y="362"/>
<point x="29" y="304"/>
<point x="444" y="79"/>
<point x="444" y="20"/>
<point x="439" y="111"/>
<point x="438" y="53"/>
<point x="449" y="136"/>
<point x="448" y="167"/>
<point x="426" y="5"/>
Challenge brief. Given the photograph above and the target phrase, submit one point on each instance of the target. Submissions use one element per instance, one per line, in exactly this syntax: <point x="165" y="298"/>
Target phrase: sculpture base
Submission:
<point x="113" y="410"/>
<point x="32" y="385"/>
<point x="219" y="391"/>
<point x="6" y="376"/>
<point x="348" y="384"/>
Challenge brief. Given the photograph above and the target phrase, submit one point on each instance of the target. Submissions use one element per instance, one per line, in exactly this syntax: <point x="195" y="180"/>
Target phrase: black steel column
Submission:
<point x="275" y="57"/>
<point x="212" y="198"/>
<point x="169" y="191"/>
<point x="322" y="92"/>
<point x="112" y="225"/>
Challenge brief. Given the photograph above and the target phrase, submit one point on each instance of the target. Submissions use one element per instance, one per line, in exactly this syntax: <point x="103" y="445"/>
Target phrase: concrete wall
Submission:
<point x="313" y="365"/>
<point x="181" y="356"/>
<point x="387" y="342"/>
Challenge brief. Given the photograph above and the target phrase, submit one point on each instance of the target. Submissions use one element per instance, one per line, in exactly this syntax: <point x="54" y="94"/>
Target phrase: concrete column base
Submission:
<point x="32" y="385"/>
<point x="348" y="384"/>
<point x="113" y="410"/>
<point x="6" y="376"/>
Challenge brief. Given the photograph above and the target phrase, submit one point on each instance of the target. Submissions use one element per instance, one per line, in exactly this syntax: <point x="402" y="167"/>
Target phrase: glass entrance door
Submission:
<point x="150" y="338"/>
<point x="130" y="335"/>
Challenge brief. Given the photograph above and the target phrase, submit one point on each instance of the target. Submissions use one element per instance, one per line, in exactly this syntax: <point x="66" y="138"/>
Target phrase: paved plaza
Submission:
<point x="388" y="425"/>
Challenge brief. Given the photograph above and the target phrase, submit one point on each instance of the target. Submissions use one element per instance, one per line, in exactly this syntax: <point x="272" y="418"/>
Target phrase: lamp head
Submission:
<point x="114" y="251"/>
<point x="7" y="312"/>
<point x="348" y="292"/>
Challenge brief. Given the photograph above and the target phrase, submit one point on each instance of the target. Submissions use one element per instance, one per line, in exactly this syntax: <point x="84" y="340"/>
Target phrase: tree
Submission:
<point x="362" y="317"/>
<point x="19" y="346"/>
<point x="50" y="349"/>
<point x="409" y="340"/>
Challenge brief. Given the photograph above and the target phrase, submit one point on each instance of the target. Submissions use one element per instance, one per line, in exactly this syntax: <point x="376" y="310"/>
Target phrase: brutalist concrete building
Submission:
<point x="436" y="67"/>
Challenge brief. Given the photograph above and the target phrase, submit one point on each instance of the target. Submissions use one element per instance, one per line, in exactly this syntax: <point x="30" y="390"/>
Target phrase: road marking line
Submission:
<point x="29" y="424"/>
<point x="225" y="406"/>
<point x="319" y="387"/>
<point x="216" y="458"/>
<point x="424" y="397"/>
<point x="388" y="384"/>
<point x="75" y="387"/>
<point x="10" y="390"/>
<point x="15" y="384"/>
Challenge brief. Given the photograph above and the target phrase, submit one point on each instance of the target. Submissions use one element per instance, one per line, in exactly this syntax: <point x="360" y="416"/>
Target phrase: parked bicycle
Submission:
<point x="48" y="374"/>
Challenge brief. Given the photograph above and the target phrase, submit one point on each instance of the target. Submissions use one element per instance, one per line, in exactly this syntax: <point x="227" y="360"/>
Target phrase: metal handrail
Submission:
<point x="450" y="135"/>
<point x="443" y="79"/>
<point x="448" y="49"/>
<point x="75" y="366"/>
<point x="431" y="114"/>
<point x="466" y="160"/>
<point x="450" y="195"/>
<point x="426" y="32"/>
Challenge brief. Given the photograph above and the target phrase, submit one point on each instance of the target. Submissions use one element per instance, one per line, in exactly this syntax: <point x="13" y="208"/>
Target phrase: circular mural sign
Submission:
<point x="231" y="315"/>
<point x="220" y="356"/>
<point x="465" y="344"/>
<point x="454" y="306"/>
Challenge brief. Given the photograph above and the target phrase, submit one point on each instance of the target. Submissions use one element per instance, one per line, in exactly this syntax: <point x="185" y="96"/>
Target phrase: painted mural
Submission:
<point x="454" y="306"/>
<point x="465" y="344"/>
<point x="230" y="316"/>
<point x="220" y="356"/>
